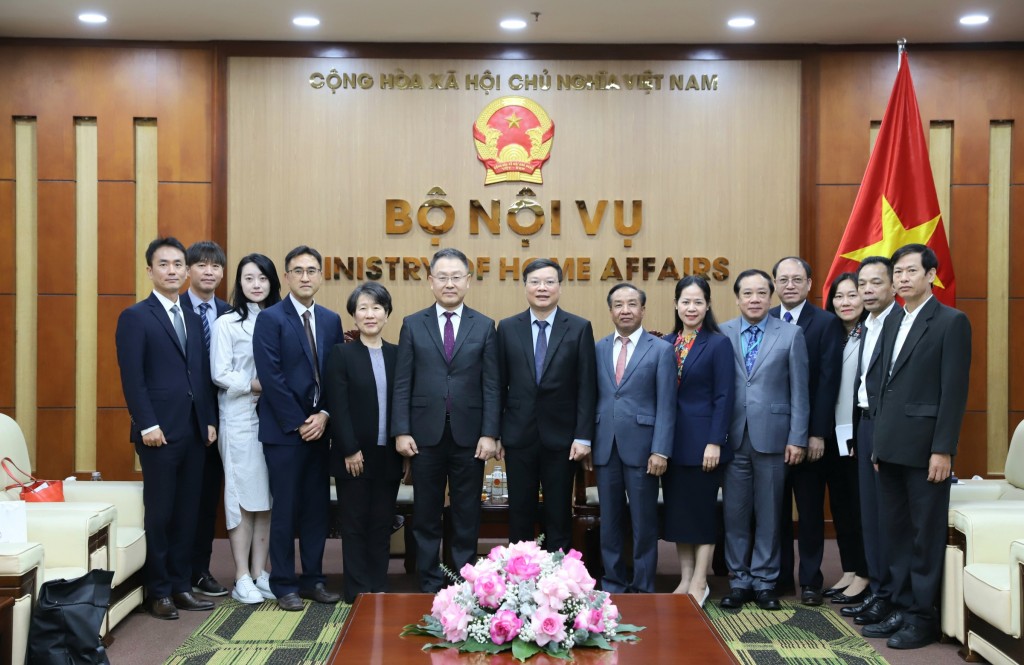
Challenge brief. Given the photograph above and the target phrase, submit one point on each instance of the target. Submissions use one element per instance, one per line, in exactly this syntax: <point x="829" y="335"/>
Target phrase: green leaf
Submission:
<point x="596" y="641"/>
<point x="522" y="650"/>
<point x="472" y="646"/>
<point x="439" y="645"/>
<point x="629" y="628"/>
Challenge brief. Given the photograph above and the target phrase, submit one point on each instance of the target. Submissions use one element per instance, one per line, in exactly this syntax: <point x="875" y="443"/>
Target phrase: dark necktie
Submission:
<point x="753" y="342"/>
<point x="204" y="307"/>
<point x="541" y="349"/>
<point x="787" y="317"/>
<point x="449" y="351"/>
<point x="179" y="327"/>
<point x="312" y="347"/>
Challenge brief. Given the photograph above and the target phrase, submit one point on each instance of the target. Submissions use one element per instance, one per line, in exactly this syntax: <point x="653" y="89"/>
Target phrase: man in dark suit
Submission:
<point x="636" y="415"/>
<point x="205" y="261"/>
<point x="291" y="342"/>
<point x="768" y="432"/>
<point x="165" y="375"/>
<point x="926" y="362"/>
<point x="823" y="335"/>
<point x="447" y="413"/>
<point x="874" y="284"/>
<point x="546" y="359"/>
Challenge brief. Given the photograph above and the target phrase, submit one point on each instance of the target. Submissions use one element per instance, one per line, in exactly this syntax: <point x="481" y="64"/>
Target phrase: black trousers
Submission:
<point x="367" y="509"/>
<point x="210" y="499"/>
<point x="432" y="469"/>
<point x="875" y="548"/>
<point x="841" y="479"/>
<point x="529" y="469"/>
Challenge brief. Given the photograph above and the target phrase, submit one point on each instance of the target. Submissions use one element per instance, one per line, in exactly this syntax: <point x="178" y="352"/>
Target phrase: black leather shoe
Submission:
<point x="858" y="609"/>
<point x="876" y="613"/>
<point x="162" y="608"/>
<point x="768" y="600"/>
<point x="208" y="586"/>
<point x="912" y="637"/>
<point x="843" y="599"/>
<point x="320" y="594"/>
<point x="290" y="602"/>
<point x="810" y="596"/>
<point x="186" y="601"/>
<point x="834" y="591"/>
<point x="736" y="598"/>
<point x="889" y="626"/>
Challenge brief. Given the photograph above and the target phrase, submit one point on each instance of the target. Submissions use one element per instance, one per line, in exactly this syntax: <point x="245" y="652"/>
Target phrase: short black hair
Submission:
<point x="299" y="251"/>
<point x="162" y="242"/>
<point x="375" y="290"/>
<point x="928" y="259"/>
<point x="537" y="264"/>
<point x="205" y="251"/>
<point x="448" y="253"/>
<point x="806" y="266"/>
<point x="872" y="260"/>
<point x="751" y="272"/>
<point x="627" y="285"/>
<point x="239" y="303"/>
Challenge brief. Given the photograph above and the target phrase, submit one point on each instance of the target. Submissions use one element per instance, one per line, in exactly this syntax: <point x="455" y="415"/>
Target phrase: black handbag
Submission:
<point x="66" y="622"/>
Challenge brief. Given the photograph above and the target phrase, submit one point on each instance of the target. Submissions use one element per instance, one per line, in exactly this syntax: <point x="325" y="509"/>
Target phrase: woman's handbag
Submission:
<point x="66" y="622"/>
<point x="34" y="490"/>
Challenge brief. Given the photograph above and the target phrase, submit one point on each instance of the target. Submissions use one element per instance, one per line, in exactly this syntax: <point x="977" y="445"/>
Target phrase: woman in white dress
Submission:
<point x="246" y="485"/>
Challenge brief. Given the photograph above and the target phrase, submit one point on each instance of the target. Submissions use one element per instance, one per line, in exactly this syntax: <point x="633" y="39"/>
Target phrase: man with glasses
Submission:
<point x="446" y="414"/>
<point x="548" y="387"/>
<point x="290" y="346"/>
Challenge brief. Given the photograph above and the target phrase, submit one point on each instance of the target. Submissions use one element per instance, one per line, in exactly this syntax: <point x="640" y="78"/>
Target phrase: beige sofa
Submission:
<point x="992" y="593"/>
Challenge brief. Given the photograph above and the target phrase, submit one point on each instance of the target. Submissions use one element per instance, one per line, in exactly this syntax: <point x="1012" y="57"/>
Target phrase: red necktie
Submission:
<point x="620" y="364"/>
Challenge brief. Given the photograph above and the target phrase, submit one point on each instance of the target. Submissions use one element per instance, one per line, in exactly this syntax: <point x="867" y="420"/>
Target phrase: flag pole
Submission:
<point x="901" y="46"/>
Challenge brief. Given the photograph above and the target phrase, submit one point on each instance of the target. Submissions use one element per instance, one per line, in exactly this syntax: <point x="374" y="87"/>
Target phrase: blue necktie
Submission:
<point x="753" y="342"/>
<point x="204" y="307"/>
<point x="787" y="317"/>
<point x="542" y="347"/>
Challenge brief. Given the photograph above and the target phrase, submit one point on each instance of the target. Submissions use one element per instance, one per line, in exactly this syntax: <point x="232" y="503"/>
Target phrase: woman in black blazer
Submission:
<point x="704" y="358"/>
<point x="367" y="469"/>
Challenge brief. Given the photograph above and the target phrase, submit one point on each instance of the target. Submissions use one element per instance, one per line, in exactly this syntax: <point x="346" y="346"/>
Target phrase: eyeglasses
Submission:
<point x="449" y="279"/>
<point x="299" y="272"/>
<point x="534" y="283"/>
<point x="795" y="281"/>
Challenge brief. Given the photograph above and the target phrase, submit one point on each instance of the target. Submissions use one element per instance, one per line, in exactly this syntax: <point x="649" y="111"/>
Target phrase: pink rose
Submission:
<point x="548" y="626"/>
<point x="489" y="589"/>
<point x="455" y="623"/>
<point x="552" y="591"/>
<point x="505" y="626"/>
<point x="574" y="554"/>
<point x="442" y="599"/>
<point x="521" y="568"/>
<point x="611" y="614"/>
<point x="578" y="579"/>
<point x="591" y="620"/>
<point x="497" y="553"/>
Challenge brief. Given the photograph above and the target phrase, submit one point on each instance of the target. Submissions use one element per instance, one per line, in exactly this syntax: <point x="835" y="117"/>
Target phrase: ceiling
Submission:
<point x="561" y="21"/>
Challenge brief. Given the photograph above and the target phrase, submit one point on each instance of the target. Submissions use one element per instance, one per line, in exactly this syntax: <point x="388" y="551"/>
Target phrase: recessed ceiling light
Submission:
<point x="741" y="22"/>
<point x="306" y="21"/>
<point x="973" y="19"/>
<point x="513" y="24"/>
<point x="92" y="18"/>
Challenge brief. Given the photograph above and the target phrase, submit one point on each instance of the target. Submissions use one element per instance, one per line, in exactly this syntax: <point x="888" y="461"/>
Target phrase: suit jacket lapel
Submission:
<point x="523" y="329"/>
<point x="771" y="335"/>
<point x="695" y="351"/>
<point x="735" y="332"/>
<point x="430" y="322"/>
<point x="603" y="350"/>
<point x="917" y="330"/>
<point x="157" y="308"/>
<point x="321" y="339"/>
<point x="465" y="329"/>
<point x="557" y="335"/>
<point x="644" y="345"/>
<point x="295" y="321"/>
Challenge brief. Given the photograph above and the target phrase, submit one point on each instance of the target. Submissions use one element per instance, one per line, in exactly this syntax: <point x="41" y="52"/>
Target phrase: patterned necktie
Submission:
<point x="179" y="327"/>
<point x="204" y="308"/>
<point x="449" y="337"/>
<point x="753" y="342"/>
<point x="620" y="363"/>
<point x="542" y="347"/>
<point x="787" y="317"/>
<point x="316" y="359"/>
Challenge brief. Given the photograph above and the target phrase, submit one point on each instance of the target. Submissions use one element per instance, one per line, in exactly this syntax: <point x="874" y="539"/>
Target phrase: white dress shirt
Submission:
<point x="795" y="312"/>
<point x="872" y="331"/>
<point x="905" y="325"/>
<point x="442" y="319"/>
<point x="616" y="345"/>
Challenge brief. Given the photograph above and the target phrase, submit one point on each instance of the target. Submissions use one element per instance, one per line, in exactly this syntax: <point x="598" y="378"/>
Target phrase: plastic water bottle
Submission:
<point x="96" y="475"/>
<point x="499" y="493"/>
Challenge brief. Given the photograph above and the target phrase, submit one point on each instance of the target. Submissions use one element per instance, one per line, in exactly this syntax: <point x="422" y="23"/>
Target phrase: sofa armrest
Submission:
<point x="977" y="490"/>
<point x="21" y="566"/>
<point x="126" y="495"/>
<point x="78" y="535"/>
<point x="988" y="529"/>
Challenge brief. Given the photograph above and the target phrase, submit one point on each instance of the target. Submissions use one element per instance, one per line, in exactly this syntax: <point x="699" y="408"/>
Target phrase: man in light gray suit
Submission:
<point x="636" y="413"/>
<point x="768" y="431"/>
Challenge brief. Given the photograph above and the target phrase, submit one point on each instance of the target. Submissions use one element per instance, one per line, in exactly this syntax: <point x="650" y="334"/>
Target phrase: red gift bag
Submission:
<point x="34" y="490"/>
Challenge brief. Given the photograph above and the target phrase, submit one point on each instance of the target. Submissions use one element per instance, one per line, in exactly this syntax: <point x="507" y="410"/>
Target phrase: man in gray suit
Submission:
<point x="636" y="413"/>
<point x="768" y="431"/>
<point x="446" y="413"/>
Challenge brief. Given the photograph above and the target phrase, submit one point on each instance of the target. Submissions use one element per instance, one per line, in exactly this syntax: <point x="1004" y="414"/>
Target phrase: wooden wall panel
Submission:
<point x="108" y="388"/>
<point x="835" y="202"/>
<point x="185" y="211"/>
<point x="55" y="332"/>
<point x="969" y="244"/>
<point x="848" y="108"/>
<point x="128" y="74"/>
<point x="115" y="453"/>
<point x="56" y="236"/>
<point x="7" y="254"/>
<point x="972" y="450"/>
<point x="55" y="443"/>
<point x="116" y="237"/>
<point x="185" y="115"/>
<point x="1016" y="358"/>
<point x="6" y="146"/>
<point x="7" y="351"/>
<point x="978" y="316"/>
<point x="1017" y="228"/>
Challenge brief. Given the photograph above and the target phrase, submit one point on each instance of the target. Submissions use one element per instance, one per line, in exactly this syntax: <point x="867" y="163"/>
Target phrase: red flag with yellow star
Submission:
<point x="896" y="204"/>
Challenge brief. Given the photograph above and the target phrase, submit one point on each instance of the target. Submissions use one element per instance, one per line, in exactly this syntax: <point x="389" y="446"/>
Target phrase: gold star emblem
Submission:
<point x="895" y="235"/>
<point x="513" y="120"/>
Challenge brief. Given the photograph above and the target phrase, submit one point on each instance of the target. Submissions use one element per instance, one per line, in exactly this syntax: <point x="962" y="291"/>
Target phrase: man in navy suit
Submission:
<point x="823" y="335"/>
<point x="447" y="413"/>
<point x="546" y="357"/>
<point x="205" y="261"/>
<point x="636" y="415"/>
<point x="165" y="375"/>
<point x="290" y="345"/>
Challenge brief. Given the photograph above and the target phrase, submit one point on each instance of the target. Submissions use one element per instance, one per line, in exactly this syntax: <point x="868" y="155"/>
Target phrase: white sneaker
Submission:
<point x="263" y="586"/>
<point x="245" y="591"/>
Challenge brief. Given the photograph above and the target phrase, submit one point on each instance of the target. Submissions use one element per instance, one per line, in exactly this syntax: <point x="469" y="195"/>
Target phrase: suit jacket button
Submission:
<point x="748" y="384"/>
<point x="190" y="394"/>
<point x="616" y="396"/>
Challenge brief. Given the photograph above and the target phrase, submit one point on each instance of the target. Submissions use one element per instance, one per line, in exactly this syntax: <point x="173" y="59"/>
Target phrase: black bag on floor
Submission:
<point x="66" y="621"/>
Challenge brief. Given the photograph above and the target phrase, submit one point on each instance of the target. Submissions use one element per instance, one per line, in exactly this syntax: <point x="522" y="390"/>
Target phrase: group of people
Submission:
<point x="264" y="394"/>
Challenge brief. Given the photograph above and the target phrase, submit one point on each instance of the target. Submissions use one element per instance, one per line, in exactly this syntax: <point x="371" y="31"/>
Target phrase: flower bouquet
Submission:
<point x="525" y="599"/>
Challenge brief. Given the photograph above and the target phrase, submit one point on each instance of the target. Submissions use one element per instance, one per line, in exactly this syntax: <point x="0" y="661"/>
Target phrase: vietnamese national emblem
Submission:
<point x="513" y="139"/>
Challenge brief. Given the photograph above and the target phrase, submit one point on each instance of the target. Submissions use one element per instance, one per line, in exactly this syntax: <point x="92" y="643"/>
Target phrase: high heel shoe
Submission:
<point x="707" y="592"/>
<point x="834" y="591"/>
<point x="843" y="599"/>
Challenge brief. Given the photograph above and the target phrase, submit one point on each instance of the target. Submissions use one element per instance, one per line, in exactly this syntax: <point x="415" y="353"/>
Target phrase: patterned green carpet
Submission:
<point x="238" y="634"/>
<point x="794" y="635"/>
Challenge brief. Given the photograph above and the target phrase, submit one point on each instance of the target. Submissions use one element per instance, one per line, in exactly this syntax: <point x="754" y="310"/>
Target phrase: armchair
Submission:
<point x="992" y="592"/>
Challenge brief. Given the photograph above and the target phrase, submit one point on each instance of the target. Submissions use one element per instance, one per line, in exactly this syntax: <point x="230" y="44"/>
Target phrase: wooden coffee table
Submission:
<point x="676" y="630"/>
